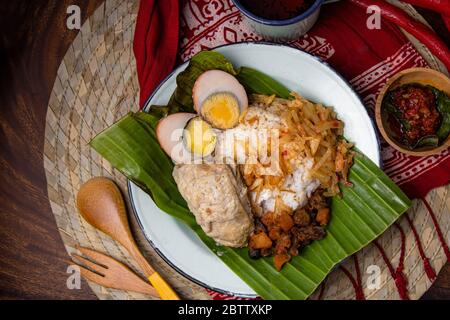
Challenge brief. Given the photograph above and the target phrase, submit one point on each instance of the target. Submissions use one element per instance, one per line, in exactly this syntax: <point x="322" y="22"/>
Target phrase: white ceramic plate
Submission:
<point x="300" y="72"/>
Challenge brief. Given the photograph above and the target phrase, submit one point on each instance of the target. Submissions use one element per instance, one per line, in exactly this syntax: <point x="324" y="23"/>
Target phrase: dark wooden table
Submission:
<point x="33" y="41"/>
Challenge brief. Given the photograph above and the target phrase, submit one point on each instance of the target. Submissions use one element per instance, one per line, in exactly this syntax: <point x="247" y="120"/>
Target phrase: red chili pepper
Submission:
<point x="417" y="29"/>
<point x="440" y="6"/>
<point x="446" y="21"/>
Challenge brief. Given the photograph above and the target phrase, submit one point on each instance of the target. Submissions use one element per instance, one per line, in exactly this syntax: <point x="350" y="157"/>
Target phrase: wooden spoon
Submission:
<point x="101" y="204"/>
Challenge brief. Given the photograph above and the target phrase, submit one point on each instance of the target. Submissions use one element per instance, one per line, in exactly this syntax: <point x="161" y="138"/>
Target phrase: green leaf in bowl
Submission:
<point x="427" y="141"/>
<point x="443" y="106"/>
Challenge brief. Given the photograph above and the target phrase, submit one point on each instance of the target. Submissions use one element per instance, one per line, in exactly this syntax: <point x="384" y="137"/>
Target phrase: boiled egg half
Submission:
<point x="185" y="137"/>
<point x="219" y="98"/>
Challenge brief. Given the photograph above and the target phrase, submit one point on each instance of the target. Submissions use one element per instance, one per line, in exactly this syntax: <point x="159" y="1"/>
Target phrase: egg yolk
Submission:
<point x="221" y="110"/>
<point x="199" y="137"/>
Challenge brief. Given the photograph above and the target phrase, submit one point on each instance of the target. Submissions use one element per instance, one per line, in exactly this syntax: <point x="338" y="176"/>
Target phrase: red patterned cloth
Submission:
<point x="366" y="58"/>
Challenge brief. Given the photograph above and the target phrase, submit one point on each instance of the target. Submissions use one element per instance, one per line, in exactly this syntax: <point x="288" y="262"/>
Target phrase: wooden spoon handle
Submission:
<point x="142" y="262"/>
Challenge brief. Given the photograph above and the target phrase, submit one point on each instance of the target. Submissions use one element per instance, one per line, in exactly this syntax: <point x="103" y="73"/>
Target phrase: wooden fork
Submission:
<point x="108" y="272"/>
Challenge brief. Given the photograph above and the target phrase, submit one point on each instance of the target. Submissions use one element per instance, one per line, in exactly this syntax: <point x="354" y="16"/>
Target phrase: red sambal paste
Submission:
<point x="417" y="108"/>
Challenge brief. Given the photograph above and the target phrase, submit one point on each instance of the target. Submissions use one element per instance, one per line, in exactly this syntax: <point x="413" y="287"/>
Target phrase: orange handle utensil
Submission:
<point x="101" y="204"/>
<point x="161" y="286"/>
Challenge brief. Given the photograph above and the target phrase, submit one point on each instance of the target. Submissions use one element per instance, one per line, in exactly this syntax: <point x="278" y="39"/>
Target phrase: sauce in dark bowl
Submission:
<point x="277" y="10"/>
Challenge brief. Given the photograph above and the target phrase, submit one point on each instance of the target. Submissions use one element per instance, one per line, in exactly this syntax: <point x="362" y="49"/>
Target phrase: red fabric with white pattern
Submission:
<point x="366" y="58"/>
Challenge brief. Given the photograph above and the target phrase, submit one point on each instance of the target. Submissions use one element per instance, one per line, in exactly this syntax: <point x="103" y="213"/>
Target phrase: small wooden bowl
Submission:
<point x="422" y="76"/>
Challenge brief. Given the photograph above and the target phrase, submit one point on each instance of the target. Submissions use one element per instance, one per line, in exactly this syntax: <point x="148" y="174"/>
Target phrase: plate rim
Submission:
<point x="146" y="107"/>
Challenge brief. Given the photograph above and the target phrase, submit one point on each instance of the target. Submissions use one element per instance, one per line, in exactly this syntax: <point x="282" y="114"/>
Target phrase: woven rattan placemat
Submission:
<point x="96" y="85"/>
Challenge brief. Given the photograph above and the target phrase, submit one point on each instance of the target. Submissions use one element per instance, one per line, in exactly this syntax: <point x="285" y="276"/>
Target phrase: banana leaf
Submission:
<point x="364" y="211"/>
<point x="256" y="81"/>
